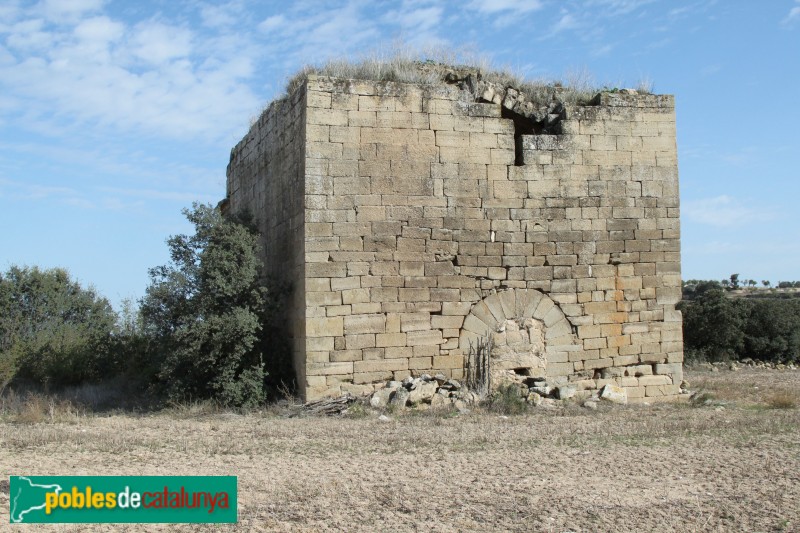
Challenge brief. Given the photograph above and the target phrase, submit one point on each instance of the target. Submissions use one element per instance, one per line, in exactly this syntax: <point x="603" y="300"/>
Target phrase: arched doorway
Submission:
<point x="531" y="337"/>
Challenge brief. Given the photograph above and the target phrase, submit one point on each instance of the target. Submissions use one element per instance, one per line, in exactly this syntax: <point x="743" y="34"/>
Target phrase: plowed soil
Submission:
<point x="729" y="462"/>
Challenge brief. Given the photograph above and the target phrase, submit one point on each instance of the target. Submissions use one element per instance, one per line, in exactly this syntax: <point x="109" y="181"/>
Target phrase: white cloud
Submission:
<point x="29" y="35"/>
<point x="567" y="21"/>
<point x="602" y="50"/>
<point x="8" y="13"/>
<point x="272" y="23"/>
<point x="793" y="15"/>
<point x="418" y="24"/>
<point x="18" y="190"/>
<point x="723" y="211"/>
<point x="620" y="6"/>
<point x="221" y="15"/>
<point x="99" y="29"/>
<point x="498" y="6"/>
<point x="310" y="34"/>
<point x="149" y="76"/>
<point x="710" y="70"/>
<point x="67" y="10"/>
<point x="157" y="43"/>
<point x="154" y="194"/>
<point x="421" y="19"/>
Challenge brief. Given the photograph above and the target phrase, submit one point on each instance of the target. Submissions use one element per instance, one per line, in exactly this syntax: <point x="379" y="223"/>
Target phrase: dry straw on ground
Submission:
<point x="730" y="464"/>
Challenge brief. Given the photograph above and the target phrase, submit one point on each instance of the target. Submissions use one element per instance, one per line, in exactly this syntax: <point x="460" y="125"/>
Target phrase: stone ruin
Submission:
<point x="416" y="224"/>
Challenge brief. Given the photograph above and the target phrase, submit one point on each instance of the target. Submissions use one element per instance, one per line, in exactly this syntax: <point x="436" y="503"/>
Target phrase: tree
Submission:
<point x="52" y="330"/>
<point x="766" y="283"/>
<point x="772" y="330"/>
<point x="734" y="281"/>
<point x="205" y="312"/>
<point x="712" y="324"/>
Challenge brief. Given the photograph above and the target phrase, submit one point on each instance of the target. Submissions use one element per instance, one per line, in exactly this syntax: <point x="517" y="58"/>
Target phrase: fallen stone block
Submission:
<point x="614" y="394"/>
<point x="380" y="398"/>
<point x="423" y="392"/>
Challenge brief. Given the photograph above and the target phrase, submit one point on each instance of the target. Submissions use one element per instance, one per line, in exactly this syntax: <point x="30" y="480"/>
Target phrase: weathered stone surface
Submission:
<point x="400" y="397"/>
<point x="614" y="394"/>
<point x="440" y="401"/>
<point x="566" y="392"/>
<point x="423" y="392"/>
<point x="412" y="225"/>
<point x="590" y="404"/>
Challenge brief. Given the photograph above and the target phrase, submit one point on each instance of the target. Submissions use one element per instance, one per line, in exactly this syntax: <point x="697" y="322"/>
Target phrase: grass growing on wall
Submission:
<point x="428" y="68"/>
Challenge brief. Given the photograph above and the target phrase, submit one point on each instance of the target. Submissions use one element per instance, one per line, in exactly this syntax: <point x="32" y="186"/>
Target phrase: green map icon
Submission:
<point x="27" y="498"/>
<point x="122" y="499"/>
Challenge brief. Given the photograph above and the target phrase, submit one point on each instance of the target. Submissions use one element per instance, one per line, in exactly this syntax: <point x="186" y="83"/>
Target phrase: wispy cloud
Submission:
<point x="418" y="23"/>
<point x="498" y="6"/>
<point x="154" y="194"/>
<point x="724" y="212"/>
<point x="18" y="190"/>
<point x="710" y="70"/>
<point x="68" y="10"/>
<point x="793" y="15"/>
<point x="503" y="13"/>
<point x="602" y="50"/>
<point x="764" y="248"/>
<point x="307" y="32"/>
<point x="566" y="21"/>
<point x="619" y="7"/>
<point x="220" y="15"/>
<point x="75" y="65"/>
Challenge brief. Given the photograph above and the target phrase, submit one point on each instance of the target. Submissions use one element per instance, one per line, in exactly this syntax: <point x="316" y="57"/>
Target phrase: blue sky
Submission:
<point x="114" y="115"/>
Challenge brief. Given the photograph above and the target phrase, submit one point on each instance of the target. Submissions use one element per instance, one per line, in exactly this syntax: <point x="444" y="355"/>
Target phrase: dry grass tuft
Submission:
<point x="783" y="400"/>
<point x="507" y="401"/>
<point x="36" y="408"/>
<point x="428" y="67"/>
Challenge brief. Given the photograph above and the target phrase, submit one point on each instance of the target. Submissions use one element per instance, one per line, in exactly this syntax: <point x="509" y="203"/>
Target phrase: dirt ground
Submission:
<point x="729" y="463"/>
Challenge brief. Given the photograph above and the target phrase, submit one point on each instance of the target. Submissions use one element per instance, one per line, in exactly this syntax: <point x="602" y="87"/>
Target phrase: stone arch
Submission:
<point x="532" y="336"/>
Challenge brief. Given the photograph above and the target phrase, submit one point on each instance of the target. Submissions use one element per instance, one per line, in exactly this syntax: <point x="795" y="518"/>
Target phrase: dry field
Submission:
<point x="729" y="464"/>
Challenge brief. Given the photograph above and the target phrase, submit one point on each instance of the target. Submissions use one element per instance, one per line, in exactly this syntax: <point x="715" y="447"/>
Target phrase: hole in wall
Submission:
<point x="522" y="126"/>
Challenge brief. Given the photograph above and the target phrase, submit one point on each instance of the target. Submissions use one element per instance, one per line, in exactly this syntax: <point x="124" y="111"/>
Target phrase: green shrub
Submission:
<point x="717" y="327"/>
<point x="712" y="324"/>
<point x="772" y="329"/>
<point x="53" y="330"/>
<point x="506" y="400"/>
<point x="204" y="312"/>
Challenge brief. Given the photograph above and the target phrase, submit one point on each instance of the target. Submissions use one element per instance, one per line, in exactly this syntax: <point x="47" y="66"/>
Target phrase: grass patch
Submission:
<point x="193" y="409"/>
<point x="430" y="67"/>
<point x="506" y="400"/>
<point x="783" y="400"/>
<point x="702" y="399"/>
<point x="356" y="410"/>
<point x="36" y="408"/>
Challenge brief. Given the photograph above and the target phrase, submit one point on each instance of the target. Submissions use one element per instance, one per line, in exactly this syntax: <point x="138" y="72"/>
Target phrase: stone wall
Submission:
<point x="266" y="179"/>
<point x="430" y="221"/>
